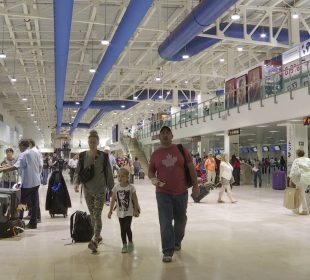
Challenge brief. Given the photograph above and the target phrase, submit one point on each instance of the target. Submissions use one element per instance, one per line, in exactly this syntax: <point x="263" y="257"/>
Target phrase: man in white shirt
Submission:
<point x="72" y="165"/>
<point x="29" y="166"/>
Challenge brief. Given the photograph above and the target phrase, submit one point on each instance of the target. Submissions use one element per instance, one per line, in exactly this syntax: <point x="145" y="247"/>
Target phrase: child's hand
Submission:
<point x="110" y="214"/>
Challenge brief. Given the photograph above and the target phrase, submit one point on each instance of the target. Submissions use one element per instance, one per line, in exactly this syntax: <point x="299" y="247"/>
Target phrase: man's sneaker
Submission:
<point x="220" y="201"/>
<point x="177" y="247"/>
<point x="92" y="245"/>
<point x="167" y="258"/>
<point x="304" y="213"/>
<point x="130" y="247"/>
<point x="124" y="249"/>
<point x="30" y="226"/>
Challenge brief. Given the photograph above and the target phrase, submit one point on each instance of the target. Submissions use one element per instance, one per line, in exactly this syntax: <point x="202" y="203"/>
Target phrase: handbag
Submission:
<point x="186" y="169"/>
<point x="291" y="198"/>
<point x="86" y="174"/>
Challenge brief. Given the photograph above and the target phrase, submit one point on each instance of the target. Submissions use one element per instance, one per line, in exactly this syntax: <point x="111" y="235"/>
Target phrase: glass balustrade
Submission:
<point x="288" y="80"/>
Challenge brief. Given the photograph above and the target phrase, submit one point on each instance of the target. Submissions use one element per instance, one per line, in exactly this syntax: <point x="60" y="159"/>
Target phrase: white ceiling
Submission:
<point x="28" y="41"/>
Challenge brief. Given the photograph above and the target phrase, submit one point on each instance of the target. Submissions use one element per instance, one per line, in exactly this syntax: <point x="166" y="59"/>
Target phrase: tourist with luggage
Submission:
<point x="125" y="197"/>
<point x="226" y="176"/>
<point x="300" y="175"/>
<point x="29" y="165"/>
<point x="257" y="173"/>
<point x="9" y="179"/>
<point x="94" y="174"/>
<point x="167" y="173"/>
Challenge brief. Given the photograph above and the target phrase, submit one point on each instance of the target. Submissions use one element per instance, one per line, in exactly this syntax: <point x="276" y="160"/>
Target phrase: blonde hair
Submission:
<point x="93" y="134"/>
<point x="123" y="171"/>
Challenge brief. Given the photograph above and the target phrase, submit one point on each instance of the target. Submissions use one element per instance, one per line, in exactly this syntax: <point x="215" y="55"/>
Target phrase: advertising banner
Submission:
<point x="254" y="83"/>
<point x="230" y="94"/>
<point x="242" y="93"/>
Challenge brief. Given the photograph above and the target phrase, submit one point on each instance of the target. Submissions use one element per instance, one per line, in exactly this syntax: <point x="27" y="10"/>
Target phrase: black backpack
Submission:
<point x="80" y="227"/>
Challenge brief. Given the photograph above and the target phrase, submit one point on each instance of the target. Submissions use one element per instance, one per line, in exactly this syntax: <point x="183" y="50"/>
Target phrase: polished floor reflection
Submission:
<point x="254" y="239"/>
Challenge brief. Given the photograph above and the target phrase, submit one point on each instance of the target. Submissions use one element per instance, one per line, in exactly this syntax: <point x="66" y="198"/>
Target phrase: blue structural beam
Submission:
<point x="62" y="28"/>
<point x="134" y="14"/>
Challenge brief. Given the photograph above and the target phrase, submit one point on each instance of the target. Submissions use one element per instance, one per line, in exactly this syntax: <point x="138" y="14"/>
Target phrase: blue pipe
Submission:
<point x="108" y="105"/>
<point x="62" y="28"/>
<point x="134" y="14"/>
<point x="235" y="30"/>
<point x="204" y="14"/>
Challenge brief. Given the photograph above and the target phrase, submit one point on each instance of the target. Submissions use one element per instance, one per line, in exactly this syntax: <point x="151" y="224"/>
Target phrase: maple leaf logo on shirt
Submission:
<point x="169" y="160"/>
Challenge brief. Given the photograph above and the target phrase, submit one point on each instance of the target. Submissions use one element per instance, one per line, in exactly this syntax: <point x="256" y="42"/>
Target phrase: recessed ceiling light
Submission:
<point x="123" y="106"/>
<point x="263" y="35"/>
<point x="185" y="56"/>
<point x="77" y="103"/>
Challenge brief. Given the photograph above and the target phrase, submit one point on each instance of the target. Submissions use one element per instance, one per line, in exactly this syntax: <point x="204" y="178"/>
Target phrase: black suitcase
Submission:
<point x="15" y="195"/>
<point x="11" y="228"/>
<point x="204" y="191"/>
<point x="141" y="174"/>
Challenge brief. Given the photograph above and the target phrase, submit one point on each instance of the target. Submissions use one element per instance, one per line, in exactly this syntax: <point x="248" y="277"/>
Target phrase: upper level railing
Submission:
<point x="287" y="80"/>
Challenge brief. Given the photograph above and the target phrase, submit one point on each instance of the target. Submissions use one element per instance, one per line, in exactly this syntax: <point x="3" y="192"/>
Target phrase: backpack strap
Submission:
<point x="71" y="224"/>
<point x="180" y="147"/>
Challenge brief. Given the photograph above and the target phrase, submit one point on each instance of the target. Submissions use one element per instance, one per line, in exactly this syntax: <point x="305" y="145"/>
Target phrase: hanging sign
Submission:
<point x="234" y="132"/>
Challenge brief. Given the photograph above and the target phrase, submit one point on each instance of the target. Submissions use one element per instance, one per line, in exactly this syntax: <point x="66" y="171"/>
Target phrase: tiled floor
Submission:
<point x="254" y="239"/>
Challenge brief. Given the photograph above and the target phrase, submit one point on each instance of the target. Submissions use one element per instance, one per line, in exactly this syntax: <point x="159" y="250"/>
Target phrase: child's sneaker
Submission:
<point x="130" y="247"/>
<point x="124" y="249"/>
<point x="92" y="245"/>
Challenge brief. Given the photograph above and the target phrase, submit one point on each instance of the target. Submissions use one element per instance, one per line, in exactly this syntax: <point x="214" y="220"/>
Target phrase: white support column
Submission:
<point x="231" y="69"/>
<point x="205" y="145"/>
<point x="294" y="31"/>
<point x="234" y="145"/>
<point x="226" y="143"/>
<point x="259" y="151"/>
<point x="175" y="97"/>
<point x="297" y="138"/>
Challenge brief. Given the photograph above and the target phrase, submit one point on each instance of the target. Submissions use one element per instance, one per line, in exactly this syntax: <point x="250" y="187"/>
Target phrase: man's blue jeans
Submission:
<point x="171" y="208"/>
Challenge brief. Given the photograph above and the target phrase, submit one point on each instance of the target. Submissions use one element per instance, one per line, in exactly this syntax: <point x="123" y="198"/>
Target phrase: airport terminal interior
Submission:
<point x="224" y="76"/>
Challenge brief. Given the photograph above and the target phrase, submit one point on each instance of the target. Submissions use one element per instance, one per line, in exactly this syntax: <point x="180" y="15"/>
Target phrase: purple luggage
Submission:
<point x="278" y="180"/>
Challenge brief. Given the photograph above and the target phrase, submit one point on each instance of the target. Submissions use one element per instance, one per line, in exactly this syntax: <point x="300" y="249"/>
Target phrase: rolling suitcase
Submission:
<point x="278" y="180"/>
<point x="15" y="195"/>
<point x="141" y="174"/>
<point x="204" y="191"/>
<point x="307" y="194"/>
<point x="11" y="228"/>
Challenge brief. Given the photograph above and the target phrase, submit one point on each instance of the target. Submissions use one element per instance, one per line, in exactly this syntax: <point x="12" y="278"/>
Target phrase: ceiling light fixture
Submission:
<point x="92" y="69"/>
<point x="157" y="79"/>
<point x="263" y="35"/>
<point x="295" y="15"/>
<point x="186" y="82"/>
<point x="123" y="106"/>
<point x="32" y="114"/>
<point x="28" y="108"/>
<point x="222" y="59"/>
<point x="105" y="41"/>
<point x="185" y="56"/>
<point x="239" y="49"/>
<point x="235" y="15"/>
<point x="13" y="79"/>
<point x="2" y="54"/>
<point x="24" y="98"/>
<point x="77" y="103"/>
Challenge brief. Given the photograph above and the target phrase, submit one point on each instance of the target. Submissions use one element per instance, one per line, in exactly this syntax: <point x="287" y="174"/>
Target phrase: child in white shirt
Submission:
<point x="124" y="194"/>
